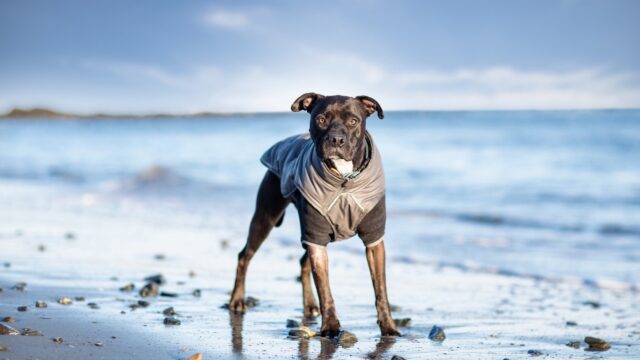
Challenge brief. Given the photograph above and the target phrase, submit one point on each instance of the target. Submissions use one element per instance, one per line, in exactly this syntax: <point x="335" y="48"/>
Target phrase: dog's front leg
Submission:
<point x="320" y="270"/>
<point x="376" y="260"/>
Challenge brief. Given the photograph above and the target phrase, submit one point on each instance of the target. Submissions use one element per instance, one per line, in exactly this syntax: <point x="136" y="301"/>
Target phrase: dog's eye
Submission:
<point x="321" y="120"/>
<point x="353" y="121"/>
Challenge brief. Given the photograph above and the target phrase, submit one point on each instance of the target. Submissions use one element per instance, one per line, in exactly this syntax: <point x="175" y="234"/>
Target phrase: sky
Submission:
<point x="246" y="56"/>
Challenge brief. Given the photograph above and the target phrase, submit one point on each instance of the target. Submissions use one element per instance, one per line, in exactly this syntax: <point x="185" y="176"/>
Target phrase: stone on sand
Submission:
<point x="302" y="332"/>
<point x="2" y="348"/>
<point x="534" y="352"/>
<point x="157" y="278"/>
<point x="19" y="286"/>
<point x="169" y="311"/>
<point x="8" y="319"/>
<point x="574" y="344"/>
<point x="58" y="340"/>
<point x="30" y="332"/>
<point x="41" y="304"/>
<point x="22" y="308"/>
<point x="292" y="323"/>
<point x="8" y="330"/>
<point x="596" y="344"/>
<point x="437" y="334"/>
<point x="171" y="321"/>
<point x="149" y="290"/>
<point x="65" y="301"/>
<point x="404" y="322"/>
<point x="128" y="288"/>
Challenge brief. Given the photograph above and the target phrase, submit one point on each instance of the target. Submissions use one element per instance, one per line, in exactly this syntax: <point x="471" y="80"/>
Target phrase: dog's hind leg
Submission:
<point x="270" y="206"/>
<point x="309" y="305"/>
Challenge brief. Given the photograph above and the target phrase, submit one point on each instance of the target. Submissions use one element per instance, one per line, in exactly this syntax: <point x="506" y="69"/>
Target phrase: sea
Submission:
<point x="553" y="195"/>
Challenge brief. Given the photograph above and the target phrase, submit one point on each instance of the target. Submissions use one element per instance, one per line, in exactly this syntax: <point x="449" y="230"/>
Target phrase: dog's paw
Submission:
<point x="330" y="328"/>
<point x="389" y="331"/>
<point x="237" y="306"/>
<point x="311" y="311"/>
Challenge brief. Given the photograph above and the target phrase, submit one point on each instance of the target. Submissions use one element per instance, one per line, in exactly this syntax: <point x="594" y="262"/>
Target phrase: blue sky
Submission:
<point x="183" y="56"/>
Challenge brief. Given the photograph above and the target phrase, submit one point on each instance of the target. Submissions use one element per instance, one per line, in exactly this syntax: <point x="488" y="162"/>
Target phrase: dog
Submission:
<point x="334" y="176"/>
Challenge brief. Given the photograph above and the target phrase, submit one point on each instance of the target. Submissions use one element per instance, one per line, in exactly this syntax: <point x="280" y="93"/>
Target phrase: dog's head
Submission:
<point x="338" y="123"/>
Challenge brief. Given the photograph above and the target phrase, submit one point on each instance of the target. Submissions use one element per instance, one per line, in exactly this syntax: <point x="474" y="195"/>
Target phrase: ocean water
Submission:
<point x="554" y="195"/>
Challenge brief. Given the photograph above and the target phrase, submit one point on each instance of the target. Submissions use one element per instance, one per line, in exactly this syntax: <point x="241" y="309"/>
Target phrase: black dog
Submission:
<point x="334" y="177"/>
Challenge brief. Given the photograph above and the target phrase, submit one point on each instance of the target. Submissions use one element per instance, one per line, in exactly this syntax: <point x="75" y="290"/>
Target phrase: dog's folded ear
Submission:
<point x="371" y="105"/>
<point x="306" y="102"/>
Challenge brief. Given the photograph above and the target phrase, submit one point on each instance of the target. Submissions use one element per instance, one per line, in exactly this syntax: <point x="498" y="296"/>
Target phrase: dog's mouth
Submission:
<point x="344" y="167"/>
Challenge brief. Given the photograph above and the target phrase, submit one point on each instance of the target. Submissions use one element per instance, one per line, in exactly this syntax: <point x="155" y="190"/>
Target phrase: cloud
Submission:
<point x="227" y="19"/>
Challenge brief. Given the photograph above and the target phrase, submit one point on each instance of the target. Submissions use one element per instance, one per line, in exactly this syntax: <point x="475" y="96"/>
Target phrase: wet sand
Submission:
<point x="74" y="248"/>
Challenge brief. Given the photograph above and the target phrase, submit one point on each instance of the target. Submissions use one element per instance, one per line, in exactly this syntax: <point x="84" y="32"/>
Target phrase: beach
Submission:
<point x="88" y="208"/>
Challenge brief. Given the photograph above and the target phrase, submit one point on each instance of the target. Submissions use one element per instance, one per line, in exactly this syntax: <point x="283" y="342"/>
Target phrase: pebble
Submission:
<point x="143" y="303"/>
<point x="168" y="294"/>
<point x="8" y="330"/>
<point x="437" y="334"/>
<point x="302" y="332"/>
<point x="197" y="293"/>
<point x="65" y="301"/>
<point x="99" y="344"/>
<point x="405" y="322"/>
<point x="41" y="304"/>
<point x="22" y="308"/>
<point x="292" y="323"/>
<point x="128" y="288"/>
<point x="397" y="357"/>
<point x="196" y="356"/>
<point x="8" y="319"/>
<point x="149" y="290"/>
<point x="596" y="344"/>
<point x="574" y="344"/>
<point x="169" y="311"/>
<point x="69" y="236"/>
<point x="534" y="352"/>
<point x="593" y="304"/>
<point x="171" y="321"/>
<point x="42" y="248"/>
<point x="93" y="305"/>
<point x="159" y="257"/>
<point x="58" y="340"/>
<point x="79" y="298"/>
<point x="347" y="339"/>
<point x="20" y="286"/>
<point x="157" y="278"/>
<point x="30" y="332"/>
<point x="251" y="302"/>
<point x="571" y="323"/>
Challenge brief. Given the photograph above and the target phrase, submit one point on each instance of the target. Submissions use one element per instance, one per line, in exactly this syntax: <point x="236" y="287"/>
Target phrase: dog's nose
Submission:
<point x="337" y="140"/>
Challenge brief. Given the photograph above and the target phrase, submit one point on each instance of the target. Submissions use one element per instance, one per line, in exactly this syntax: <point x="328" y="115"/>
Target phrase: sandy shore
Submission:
<point x="80" y="246"/>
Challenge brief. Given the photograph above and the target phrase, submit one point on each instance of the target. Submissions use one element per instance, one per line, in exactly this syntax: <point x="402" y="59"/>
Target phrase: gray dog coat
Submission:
<point x="342" y="201"/>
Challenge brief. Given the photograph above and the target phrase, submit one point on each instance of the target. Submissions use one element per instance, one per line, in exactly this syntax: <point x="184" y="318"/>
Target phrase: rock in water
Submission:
<point x="2" y="348"/>
<point x="197" y="293"/>
<point x="251" y="302"/>
<point x="58" y="340"/>
<point x="347" y="339"/>
<point x="404" y="322"/>
<point x="8" y="319"/>
<point x="171" y="321"/>
<point x="20" y="286"/>
<point x="196" y="356"/>
<point x="534" y="352"/>
<point x="8" y="330"/>
<point x="149" y="290"/>
<point x="79" y="298"/>
<point x="437" y="334"/>
<point x="93" y="305"/>
<point x="169" y="311"/>
<point x="302" y="332"/>
<point x="292" y="323"/>
<point x="22" y="308"/>
<point x="143" y="303"/>
<point x="65" y="301"/>
<point x="168" y="294"/>
<point x="30" y="332"/>
<point x="574" y="344"/>
<point x="596" y="344"/>
<point x="571" y="323"/>
<point x="128" y="288"/>
<point x="41" y="304"/>
<point x="157" y="278"/>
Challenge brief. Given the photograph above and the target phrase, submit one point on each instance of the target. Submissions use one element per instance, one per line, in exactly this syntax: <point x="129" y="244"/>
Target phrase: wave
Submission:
<point x="487" y="219"/>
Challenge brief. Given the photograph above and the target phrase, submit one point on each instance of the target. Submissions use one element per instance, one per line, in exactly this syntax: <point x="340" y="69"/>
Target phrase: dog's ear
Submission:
<point x="306" y="102"/>
<point x="371" y="105"/>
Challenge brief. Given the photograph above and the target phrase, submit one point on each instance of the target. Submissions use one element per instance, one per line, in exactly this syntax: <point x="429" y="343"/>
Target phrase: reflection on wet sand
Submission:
<point x="236" y="322"/>
<point x="328" y="348"/>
